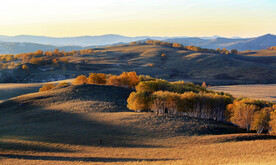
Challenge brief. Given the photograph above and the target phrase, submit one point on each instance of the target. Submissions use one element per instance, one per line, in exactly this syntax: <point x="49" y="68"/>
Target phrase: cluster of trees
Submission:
<point x="152" y="85"/>
<point x="39" y="57"/>
<point x="126" y="79"/>
<point x="161" y="96"/>
<point x="201" y="105"/>
<point x="255" y="115"/>
<point x="7" y="58"/>
<point x="191" y="47"/>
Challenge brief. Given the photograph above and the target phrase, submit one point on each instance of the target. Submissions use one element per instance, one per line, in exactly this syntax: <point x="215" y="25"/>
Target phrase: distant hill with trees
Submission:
<point x="171" y="61"/>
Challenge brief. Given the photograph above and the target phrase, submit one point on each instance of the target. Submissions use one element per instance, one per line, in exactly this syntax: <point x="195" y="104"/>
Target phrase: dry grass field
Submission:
<point x="90" y="125"/>
<point x="222" y="149"/>
<point x="160" y="62"/>
<point x="261" y="91"/>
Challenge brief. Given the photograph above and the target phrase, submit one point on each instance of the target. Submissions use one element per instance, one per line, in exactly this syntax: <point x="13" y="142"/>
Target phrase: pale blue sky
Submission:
<point x="138" y="17"/>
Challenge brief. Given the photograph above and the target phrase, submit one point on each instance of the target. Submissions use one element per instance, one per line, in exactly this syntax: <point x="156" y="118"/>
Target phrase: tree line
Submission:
<point x="163" y="97"/>
<point x="191" y="47"/>
<point x="39" y="57"/>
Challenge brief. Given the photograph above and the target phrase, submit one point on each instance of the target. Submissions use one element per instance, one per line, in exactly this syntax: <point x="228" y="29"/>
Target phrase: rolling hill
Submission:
<point x="253" y="67"/>
<point x="90" y="124"/>
<point x="95" y="112"/>
<point x="26" y="47"/>
<point x="27" y="43"/>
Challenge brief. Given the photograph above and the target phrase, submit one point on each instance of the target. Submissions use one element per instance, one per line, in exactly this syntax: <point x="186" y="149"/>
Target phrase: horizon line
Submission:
<point x="178" y="36"/>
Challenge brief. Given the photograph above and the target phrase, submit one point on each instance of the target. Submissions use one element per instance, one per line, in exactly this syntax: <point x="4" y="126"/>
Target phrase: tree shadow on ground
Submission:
<point x="32" y="123"/>
<point x="82" y="159"/>
<point x="249" y="138"/>
<point x="30" y="147"/>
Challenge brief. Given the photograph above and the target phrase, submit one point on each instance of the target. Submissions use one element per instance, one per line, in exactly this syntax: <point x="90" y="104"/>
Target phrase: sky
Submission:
<point x="60" y="18"/>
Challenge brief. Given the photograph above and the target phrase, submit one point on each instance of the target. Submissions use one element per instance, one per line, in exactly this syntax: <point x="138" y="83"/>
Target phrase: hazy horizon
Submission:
<point x="132" y="36"/>
<point x="227" y="18"/>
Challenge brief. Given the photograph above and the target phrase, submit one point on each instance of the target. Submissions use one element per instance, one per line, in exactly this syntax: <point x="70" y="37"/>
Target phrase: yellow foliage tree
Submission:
<point x="138" y="101"/>
<point x="261" y="120"/>
<point x="47" y="87"/>
<point x="80" y="80"/>
<point x="242" y="113"/>
<point x="25" y="67"/>
<point x="272" y="123"/>
<point x="97" y="78"/>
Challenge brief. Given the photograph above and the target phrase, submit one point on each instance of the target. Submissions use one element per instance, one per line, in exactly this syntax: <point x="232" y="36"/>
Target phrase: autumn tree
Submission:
<point x="204" y="85"/>
<point x="139" y="101"/>
<point x="25" y="67"/>
<point x="97" y="78"/>
<point x="177" y="45"/>
<point x="47" y="87"/>
<point x="38" y="53"/>
<point x="80" y="80"/>
<point x="272" y="122"/>
<point x="113" y="80"/>
<point x="242" y="113"/>
<point x="261" y="120"/>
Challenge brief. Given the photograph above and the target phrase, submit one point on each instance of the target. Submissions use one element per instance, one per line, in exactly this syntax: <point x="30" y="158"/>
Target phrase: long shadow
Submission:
<point x="83" y="159"/>
<point x="30" y="147"/>
<point x="250" y="138"/>
<point x="32" y="123"/>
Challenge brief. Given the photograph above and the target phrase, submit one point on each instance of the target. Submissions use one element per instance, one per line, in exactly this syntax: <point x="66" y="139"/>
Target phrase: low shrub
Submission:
<point x="47" y="87"/>
<point x="80" y="80"/>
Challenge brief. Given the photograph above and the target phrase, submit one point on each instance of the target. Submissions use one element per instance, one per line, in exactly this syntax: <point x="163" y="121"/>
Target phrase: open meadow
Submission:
<point x="90" y="124"/>
<point x="256" y="91"/>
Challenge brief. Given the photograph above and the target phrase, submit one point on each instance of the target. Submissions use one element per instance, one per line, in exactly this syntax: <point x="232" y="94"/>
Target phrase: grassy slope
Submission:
<point x="10" y="90"/>
<point x="186" y="64"/>
<point x="67" y="126"/>
<point x="256" y="67"/>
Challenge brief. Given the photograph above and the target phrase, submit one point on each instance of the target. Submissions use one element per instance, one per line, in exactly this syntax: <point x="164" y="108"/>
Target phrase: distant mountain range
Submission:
<point x="25" y="47"/>
<point x="76" y="41"/>
<point x="241" y="44"/>
<point x="28" y="43"/>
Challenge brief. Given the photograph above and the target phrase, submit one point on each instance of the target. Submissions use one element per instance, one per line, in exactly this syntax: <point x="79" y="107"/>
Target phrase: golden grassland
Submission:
<point x="64" y="127"/>
<point x="258" y="91"/>
<point x="218" y="149"/>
